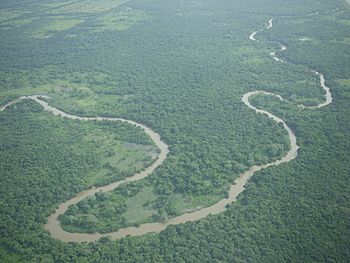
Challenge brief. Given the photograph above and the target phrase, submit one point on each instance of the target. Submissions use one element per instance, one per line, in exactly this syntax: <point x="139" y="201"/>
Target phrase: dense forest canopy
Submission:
<point x="181" y="68"/>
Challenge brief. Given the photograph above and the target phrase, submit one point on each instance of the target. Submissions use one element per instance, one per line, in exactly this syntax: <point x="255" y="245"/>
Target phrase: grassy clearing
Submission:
<point x="53" y="4"/>
<point x="119" y="154"/>
<point x="7" y="14"/>
<point x="10" y="18"/>
<point x="116" y="157"/>
<point x="25" y="91"/>
<point x="106" y="212"/>
<point x="77" y="97"/>
<point x="184" y="204"/>
<point x="255" y="61"/>
<point x="87" y="6"/>
<point x="18" y="22"/>
<point x="81" y="93"/>
<point x="344" y="82"/>
<point x="50" y="18"/>
<point x="54" y="26"/>
<point x="250" y="55"/>
<point x="137" y="210"/>
<point x="121" y="20"/>
<point x="46" y="26"/>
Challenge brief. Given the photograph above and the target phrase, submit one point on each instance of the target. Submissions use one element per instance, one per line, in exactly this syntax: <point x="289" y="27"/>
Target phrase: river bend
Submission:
<point x="238" y="186"/>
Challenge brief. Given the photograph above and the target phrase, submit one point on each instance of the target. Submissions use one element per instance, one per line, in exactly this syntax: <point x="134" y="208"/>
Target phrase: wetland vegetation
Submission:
<point x="181" y="68"/>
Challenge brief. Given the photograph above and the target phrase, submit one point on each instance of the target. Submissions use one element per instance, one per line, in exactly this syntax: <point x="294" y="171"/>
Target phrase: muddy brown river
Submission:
<point x="238" y="186"/>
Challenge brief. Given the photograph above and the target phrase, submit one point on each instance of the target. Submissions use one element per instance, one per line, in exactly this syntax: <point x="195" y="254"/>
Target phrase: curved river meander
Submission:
<point x="53" y="224"/>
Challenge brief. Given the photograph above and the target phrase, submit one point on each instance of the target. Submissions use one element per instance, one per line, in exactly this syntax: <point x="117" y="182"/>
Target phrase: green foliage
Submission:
<point x="106" y="212"/>
<point x="50" y="18"/>
<point x="182" y="73"/>
<point x="56" y="158"/>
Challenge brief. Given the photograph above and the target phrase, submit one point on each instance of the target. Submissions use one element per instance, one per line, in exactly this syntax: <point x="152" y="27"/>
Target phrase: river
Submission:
<point x="238" y="186"/>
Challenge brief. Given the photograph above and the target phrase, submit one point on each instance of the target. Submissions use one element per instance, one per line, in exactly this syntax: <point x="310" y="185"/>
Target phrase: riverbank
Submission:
<point x="238" y="186"/>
